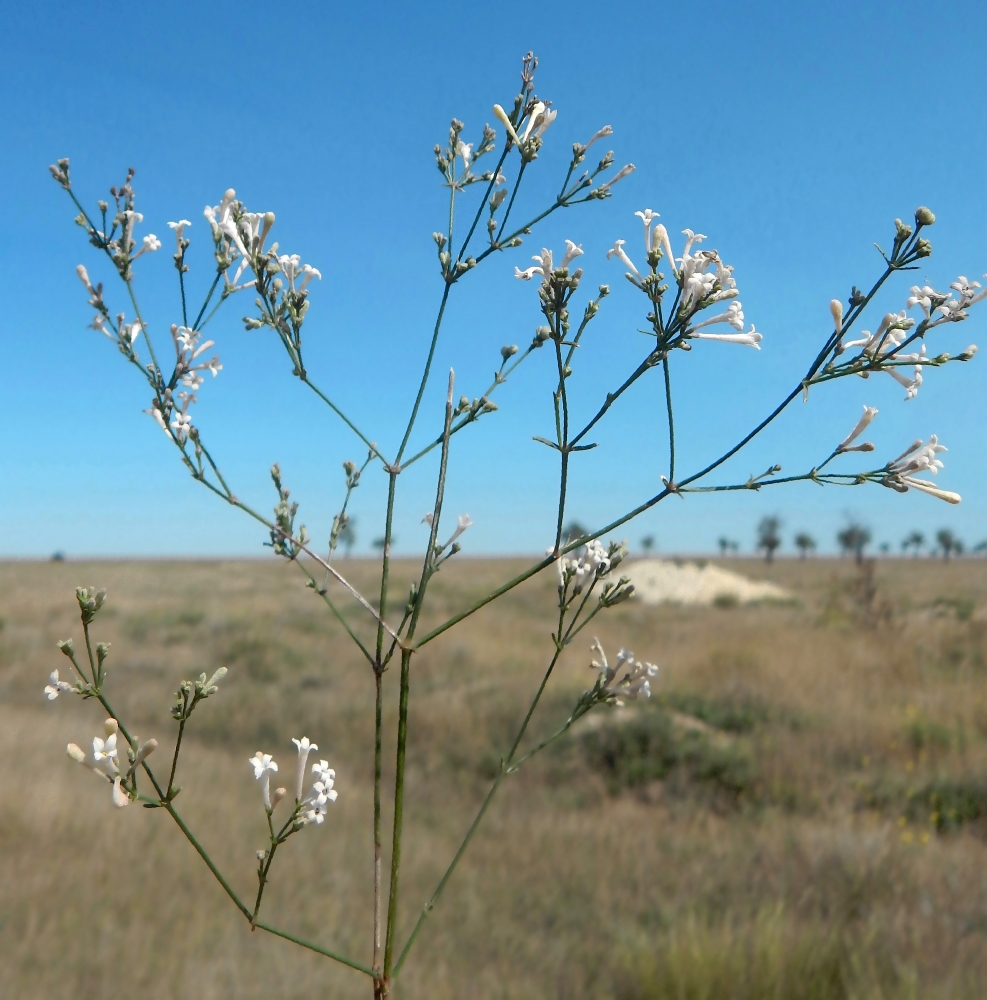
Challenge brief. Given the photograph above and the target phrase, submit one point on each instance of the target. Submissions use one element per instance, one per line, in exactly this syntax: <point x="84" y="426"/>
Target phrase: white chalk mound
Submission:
<point x="657" y="581"/>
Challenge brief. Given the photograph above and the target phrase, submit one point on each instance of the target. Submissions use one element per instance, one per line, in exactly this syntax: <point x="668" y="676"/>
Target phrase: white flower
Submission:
<point x="179" y="228"/>
<point x="220" y="214"/>
<point x="129" y="332"/>
<point x="463" y="522"/>
<point x="465" y="150"/>
<point x="870" y="412"/>
<point x="647" y="217"/>
<point x="56" y="687"/>
<point x="634" y="275"/>
<point x="734" y="316"/>
<point x="750" y="339"/>
<point x="304" y="749"/>
<point x="263" y="765"/>
<point x="292" y="267"/>
<point x="182" y="424"/>
<point x="105" y="749"/>
<point x="539" y="118"/>
<point x="151" y="243"/>
<point x="545" y="266"/>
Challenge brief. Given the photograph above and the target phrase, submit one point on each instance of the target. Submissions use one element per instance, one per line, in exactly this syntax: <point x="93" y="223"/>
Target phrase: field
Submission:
<point x="800" y="811"/>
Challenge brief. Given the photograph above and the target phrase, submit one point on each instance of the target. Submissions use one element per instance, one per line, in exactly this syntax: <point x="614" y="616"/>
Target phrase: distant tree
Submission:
<point x="854" y="538"/>
<point x="885" y="547"/>
<point x="913" y="541"/>
<point x="58" y="556"/>
<point x="769" y="536"/>
<point x="948" y="543"/>
<point x="648" y="543"/>
<point x="980" y="546"/>
<point x="805" y="544"/>
<point x="378" y="543"/>
<point x="573" y="530"/>
<point x="347" y="537"/>
<point x="727" y="545"/>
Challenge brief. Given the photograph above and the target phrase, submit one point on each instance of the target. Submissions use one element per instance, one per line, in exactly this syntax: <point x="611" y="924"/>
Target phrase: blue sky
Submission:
<point x="792" y="135"/>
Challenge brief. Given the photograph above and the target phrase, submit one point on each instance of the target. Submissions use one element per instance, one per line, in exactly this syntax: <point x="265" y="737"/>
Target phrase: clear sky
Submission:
<point x="791" y="134"/>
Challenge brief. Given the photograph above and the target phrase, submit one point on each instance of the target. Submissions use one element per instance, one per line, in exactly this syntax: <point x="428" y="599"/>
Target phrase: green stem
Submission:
<point x="212" y="289"/>
<point x="392" y="902"/>
<point x="262" y="880"/>
<point x="332" y="607"/>
<point x="378" y="850"/>
<point x="428" y="367"/>
<point x="314" y="947"/>
<point x="386" y="567"/>
<point x="342" y="416"/>
<point x="174" y="759"/>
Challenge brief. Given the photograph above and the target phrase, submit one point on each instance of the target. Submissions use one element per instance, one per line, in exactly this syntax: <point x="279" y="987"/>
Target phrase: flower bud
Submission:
<point x="279" y="794"/>
<point x="67" y="647"/>
<point x="111" y="726"/>
<point x="144" y="751"/>
<point x="924" y="216"/>
<point x="76" y="753"/>
<point x="508" y="351"/>
<point x="836" y="308"/>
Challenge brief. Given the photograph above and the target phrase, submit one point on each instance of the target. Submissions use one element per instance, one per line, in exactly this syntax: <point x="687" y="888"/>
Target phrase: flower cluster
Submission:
<point x="882" y="349"/>
<point x="592" y="563"/>
<point x="703" y="281"/>
<point x="187" y="373"/>
<point x="627" y="678"/>
<point x="104" y="759"/>
<point x="310" y="808"/>
<point x="902" y="473"/>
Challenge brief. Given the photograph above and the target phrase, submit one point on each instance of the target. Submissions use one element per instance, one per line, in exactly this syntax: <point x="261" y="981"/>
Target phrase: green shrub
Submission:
<point x="649" y="747"/>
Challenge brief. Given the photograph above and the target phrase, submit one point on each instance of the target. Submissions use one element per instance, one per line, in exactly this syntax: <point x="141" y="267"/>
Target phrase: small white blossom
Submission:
<point x="263" y="764"/>
<point x="179" y="228"/>
<point x="181" y="425"/>
<point x="56" y="687"/>
<point x="465" y="150"/>
<point x="304" y="749"/>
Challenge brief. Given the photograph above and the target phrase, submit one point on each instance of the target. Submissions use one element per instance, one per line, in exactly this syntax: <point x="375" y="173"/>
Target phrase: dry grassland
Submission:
<point x="799" y="812"/>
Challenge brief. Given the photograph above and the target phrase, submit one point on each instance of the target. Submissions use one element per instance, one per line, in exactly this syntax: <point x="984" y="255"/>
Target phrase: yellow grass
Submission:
<point x="795" y="814"/>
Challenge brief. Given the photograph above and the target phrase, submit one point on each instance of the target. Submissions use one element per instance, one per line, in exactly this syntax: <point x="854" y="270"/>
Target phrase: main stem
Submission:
<point x="378" y="966"/>
<point x="392" y="900"/>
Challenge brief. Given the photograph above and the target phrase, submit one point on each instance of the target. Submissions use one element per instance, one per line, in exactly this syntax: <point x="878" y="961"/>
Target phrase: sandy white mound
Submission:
<point x="657" y="581"/>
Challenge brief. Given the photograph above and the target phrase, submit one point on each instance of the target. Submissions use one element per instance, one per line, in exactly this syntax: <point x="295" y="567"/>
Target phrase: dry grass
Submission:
<point x="800" y="812"/>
